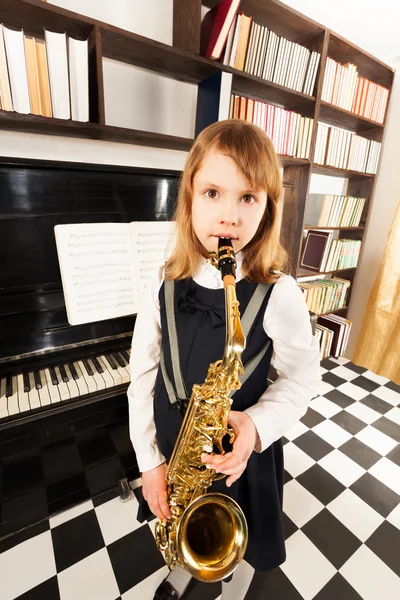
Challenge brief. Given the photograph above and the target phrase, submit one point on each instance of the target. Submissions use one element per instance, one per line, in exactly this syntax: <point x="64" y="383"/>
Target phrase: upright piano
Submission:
<point x="62" y="385"/>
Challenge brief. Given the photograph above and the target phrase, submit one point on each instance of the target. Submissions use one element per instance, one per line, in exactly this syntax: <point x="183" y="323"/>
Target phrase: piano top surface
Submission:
<point x="34" y="197"/>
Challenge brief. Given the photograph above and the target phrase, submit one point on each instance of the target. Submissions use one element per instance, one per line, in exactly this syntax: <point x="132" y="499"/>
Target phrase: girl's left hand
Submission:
<point x="234" y="463"/>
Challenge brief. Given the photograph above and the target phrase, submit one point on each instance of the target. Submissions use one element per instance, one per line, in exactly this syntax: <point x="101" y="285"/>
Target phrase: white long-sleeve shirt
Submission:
<point x="295" y="358"/>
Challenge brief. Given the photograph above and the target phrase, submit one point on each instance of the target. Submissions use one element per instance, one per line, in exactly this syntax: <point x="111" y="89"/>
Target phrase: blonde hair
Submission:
<point x="255" y="156"/>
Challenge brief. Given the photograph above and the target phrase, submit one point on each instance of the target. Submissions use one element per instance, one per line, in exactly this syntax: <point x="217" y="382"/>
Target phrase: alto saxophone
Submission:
<point x="207" y="533"/>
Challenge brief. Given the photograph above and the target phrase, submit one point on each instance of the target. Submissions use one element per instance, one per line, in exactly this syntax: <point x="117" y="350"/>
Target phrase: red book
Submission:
<point x="215" y="28"/>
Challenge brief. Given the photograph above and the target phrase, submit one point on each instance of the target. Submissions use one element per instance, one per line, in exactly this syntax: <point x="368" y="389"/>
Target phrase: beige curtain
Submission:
<point x="378" y="346"/>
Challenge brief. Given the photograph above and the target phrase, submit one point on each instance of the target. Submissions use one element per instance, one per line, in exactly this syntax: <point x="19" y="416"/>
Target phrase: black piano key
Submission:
<point x="38" y="380"/>
<point x="97" y="364"/>
<point x="118" y="358"/>
<point x="9" y="389"/>
<point x="74" y="372"/>
<point x="27" y="385"/>
<point x="87" y="366"/>
<point x="111" y="361"/>
<point x="53" y="375"/>
<point x="125" y="355"/>
<point x="63" y="372"/>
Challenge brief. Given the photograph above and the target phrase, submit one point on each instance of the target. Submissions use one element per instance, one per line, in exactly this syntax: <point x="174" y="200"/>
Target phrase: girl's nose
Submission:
<point x="229" y="214"/>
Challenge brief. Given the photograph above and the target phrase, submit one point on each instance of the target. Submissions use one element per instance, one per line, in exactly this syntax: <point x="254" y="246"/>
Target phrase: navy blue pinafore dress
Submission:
<point x="201" y="330"/>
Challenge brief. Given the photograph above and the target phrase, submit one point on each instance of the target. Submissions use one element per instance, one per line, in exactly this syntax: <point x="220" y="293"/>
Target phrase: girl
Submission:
<point x="230" y="187"/>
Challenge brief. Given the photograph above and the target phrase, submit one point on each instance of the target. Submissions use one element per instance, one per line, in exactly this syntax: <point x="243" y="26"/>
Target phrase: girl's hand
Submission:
<point x="155" y="492"/>
<point x="234" y="463"/>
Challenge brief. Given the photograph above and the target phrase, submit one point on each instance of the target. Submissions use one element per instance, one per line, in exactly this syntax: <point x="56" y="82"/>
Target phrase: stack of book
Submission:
<point x="330" y="210"/>
<point x="254" y="48"/>
<point x="289" y="131"/>
<point x="343" y="149"/>
<point x="44" y="77"/>
<point x="324" y="295"/>
<point x="344" y="88"/>
<point x="323" y="253"/>
<point x="333" y="334"/>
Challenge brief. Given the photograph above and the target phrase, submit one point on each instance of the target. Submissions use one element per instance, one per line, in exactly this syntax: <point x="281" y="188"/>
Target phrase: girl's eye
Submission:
<point x="211" y="194"/>
<point x="248" y="199"/>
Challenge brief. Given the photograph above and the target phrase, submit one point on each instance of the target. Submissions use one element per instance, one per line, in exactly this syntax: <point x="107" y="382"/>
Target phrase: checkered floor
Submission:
<point x="341" y="505"/>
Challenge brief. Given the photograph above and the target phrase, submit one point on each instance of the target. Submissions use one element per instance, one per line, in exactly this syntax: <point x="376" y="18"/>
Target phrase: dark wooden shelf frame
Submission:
<point x="357" y="228"/>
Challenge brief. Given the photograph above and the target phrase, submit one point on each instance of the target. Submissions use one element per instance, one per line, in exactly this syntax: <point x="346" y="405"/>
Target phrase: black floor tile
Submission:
<point x="393" y="386"/>
<point x="312" y="418"/>
<point x="313" y="445"/>
<point x="286" y="477"/>
<point x="376" y="494"/>
<point x="376" y="403"/>
<point x="385" y="542"/>
<point x="348" y="422"/>
<point x="362" y="454"/>
<point x="388" y="427"/>
<point x="134" y="557"/>
<point x="329" y="364"/>
<point x="272" y="585"/>
<point x="321" y="484"/>
<point x="76" y="539"/>
<point x="339" y="398"/>
<point x="355" y="368"/>
<point x="61" y="459"/>
<point x="333" y="379"/>
<point x="289" y="527"/>
<point x="332" y="538"/>
<point x="394" y="455"/>
<point x="365" y="383"/>
<point x="48" y="590"/>
<point x="202" y="591"/>
<point x="95" y="446"/>
<point x="337" y="589"/>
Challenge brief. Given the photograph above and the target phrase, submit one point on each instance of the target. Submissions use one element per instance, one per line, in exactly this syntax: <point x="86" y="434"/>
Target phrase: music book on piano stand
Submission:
<point x="106" y="267"/>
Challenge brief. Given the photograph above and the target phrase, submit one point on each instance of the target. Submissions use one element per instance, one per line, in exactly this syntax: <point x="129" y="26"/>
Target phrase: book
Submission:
<point x="215" y="28"/>
<point x="213" y="100"/>
<point x="314" y="251"/>
<point x="5" y="90"/>
<point x="32" y="71"/>
<point x="43" y="78"/>
<point x="78" y="63"/>
<point x="15" y="51"/>
<point x="57" y="59"/>
<point x="106" y="267"/>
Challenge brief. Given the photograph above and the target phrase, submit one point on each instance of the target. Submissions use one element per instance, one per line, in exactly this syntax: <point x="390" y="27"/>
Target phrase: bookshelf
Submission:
<point x="182" y="62"/>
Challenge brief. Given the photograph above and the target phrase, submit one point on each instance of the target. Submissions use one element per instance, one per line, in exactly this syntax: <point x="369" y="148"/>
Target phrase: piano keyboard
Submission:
<point x="35" y="390"/>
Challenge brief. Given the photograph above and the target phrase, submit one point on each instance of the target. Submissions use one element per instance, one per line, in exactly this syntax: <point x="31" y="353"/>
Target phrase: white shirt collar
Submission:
<point x="209" y="276"/>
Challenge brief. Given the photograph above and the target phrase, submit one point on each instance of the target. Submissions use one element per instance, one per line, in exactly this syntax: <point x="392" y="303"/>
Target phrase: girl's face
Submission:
<point x="223" y="203"/>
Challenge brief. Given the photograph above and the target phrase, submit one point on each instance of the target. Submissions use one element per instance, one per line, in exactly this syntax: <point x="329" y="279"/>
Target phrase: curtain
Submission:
<point x="378" y="345"/>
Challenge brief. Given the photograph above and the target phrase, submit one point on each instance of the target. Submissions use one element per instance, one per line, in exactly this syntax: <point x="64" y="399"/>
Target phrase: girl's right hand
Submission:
<point x="155" y="492"/>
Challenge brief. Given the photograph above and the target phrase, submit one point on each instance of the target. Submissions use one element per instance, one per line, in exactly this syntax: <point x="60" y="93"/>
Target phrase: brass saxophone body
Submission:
<point x="207" y="534"/>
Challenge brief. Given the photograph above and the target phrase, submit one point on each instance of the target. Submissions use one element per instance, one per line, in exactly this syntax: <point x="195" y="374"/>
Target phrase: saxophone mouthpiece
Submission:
<point x="226" y="257"/>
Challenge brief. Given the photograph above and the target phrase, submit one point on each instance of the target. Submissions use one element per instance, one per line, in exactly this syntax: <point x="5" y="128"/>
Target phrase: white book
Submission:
<point x="15" y="50"/>
<point x="228" y="47"/>
<point x="250" y="47"/>
<point x="106" y="267"/>
<point x="235" y="41"/>
<point x="56" y="47"/>
<point x="5" y="90"/>
<point x="78" y="62"/>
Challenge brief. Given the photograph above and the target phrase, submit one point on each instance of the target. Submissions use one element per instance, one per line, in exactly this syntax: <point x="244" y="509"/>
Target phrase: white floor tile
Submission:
<point x="354" y="391"/>
<point x="376" y="440"/>
<point x="344" y="373"/>
<point x="324" y="388"/>
<point x="394" y="415"/>
<point x="341" y="467"/>
<point x="146" y="588"/>
<point x="71" y="513"/>
<point x="355" y="514"/>
<point x="299" y="505"/>
<point x="296" y="461"/>
<point x="92" y="578"/>
<point x="325" y="407"/>
<point x="26" y="565"/>
<point x="394" y="517"/>
<point x="322" y="370"/>
<point x="362" y="412"/>
<point x="388" y="473"/>
<point x="374" y="377"/>
<point x="117" y="518"/>
<point x="296" y="431"/>
<point x="332" y="433"/>
<point x="388" y="395"/>
<point x="305" y="566"/>
<point x="370" y="577"/>
<point x="341" y="360"/>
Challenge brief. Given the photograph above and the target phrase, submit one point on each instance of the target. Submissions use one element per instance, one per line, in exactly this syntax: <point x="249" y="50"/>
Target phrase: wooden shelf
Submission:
<point x="335" y="172"/>
<point x="305" y="273"/>
<point x="339" y="117"/>
<point x="344" y="309"/>
<point x="358" y="228"/>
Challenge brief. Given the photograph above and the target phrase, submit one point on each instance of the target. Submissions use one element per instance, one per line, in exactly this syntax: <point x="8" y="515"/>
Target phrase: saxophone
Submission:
<point x="207" y="533"/>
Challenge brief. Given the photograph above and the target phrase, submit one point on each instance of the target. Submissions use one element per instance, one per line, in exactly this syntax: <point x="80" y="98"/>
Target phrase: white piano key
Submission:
<point x="81" y="381"/>
<point x="73" y="388"/>
<point x="62" y="386"/>
<point x="123" y="372"/>
<point x="113" y="373"/>
<point x="90" y="380"/>
<point x="3" y="399"/>
<point x="23" y="397"/>
<point x="55" y="397"/>
<point x="13" y="406"/>
<point x="44" y="393"/>
<point x="101" y="384"/>
<point x="33" y="394"/>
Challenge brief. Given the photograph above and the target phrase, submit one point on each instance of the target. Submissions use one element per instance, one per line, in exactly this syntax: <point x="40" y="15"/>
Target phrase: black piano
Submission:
<point x="63" y="408"/>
